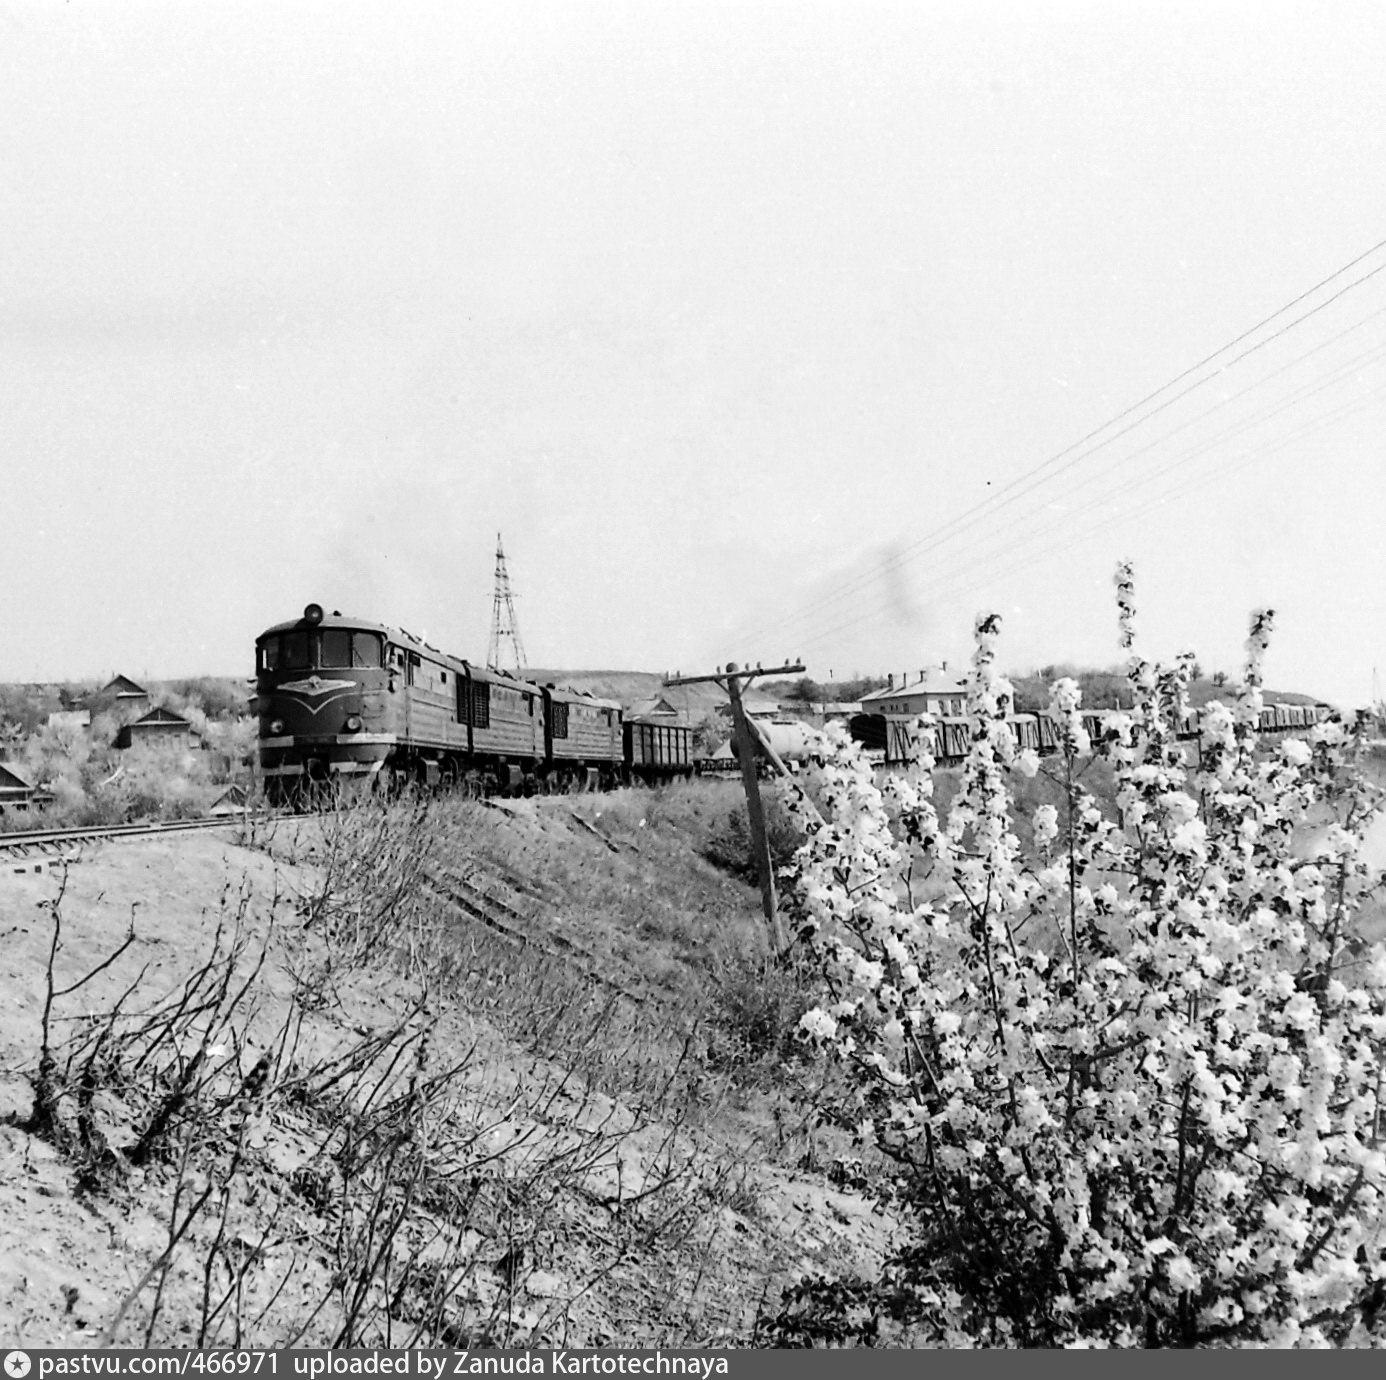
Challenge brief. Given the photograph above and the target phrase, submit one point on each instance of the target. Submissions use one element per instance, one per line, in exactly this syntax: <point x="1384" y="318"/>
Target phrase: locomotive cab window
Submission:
<point x="336" y="647"/>
<point x="294" y="652"/>
<point x="341" y="647"/>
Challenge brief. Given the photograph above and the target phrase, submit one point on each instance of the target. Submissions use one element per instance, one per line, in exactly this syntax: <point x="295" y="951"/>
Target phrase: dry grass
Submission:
<point x="355" y="1114"/>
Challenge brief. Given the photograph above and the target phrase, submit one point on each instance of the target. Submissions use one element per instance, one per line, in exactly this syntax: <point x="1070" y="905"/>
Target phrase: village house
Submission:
<point x="655" y="707"/>
<point x="820" y="712"/>
<point x="232" y="801"/>
<point x="161" y="725"/>
<point x="16" y="792"/>
<point x="70" y="718"/>
<point x="756" y="707"/>
<point x="121" y="698"/>
<point x="932" y="692"/>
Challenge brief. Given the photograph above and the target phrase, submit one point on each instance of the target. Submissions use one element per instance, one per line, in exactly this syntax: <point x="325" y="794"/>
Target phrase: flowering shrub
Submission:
<point x="1131" y="1078"/>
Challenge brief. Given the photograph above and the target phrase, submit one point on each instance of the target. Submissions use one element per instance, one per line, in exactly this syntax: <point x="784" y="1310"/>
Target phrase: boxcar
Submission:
<point x="656" y="749"/>
<point x="869" y="730"/>
<point x="902" y="739"/>
<point x="952" y="739"/>
<point x="1026" y="731"/>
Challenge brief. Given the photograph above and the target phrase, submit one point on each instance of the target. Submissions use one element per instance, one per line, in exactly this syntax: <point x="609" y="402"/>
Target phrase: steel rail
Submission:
<point x="25" y="842"/>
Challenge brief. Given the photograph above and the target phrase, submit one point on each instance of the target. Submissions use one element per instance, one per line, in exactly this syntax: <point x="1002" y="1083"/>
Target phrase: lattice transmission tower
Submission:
<point x="505" y="627"/>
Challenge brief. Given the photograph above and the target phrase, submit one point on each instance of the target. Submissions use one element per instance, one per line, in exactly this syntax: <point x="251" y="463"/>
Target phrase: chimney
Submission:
<point x="943" y="666"/>
<point x="890" y="680"/>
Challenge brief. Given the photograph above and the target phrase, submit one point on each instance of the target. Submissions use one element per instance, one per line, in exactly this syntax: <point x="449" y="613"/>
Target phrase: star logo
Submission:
<point x="16" y="1364"/>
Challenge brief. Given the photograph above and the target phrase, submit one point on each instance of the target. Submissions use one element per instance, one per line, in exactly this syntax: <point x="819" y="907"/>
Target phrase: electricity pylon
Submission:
<point x="505" y="627"/>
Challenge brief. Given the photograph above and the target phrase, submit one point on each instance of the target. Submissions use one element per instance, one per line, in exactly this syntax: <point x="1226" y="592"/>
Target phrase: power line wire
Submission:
<point x="1031" y="478"/>
<point x="1202" y="447"/>
<point x="958" y="580"/>
<point x="1025" y="522"/>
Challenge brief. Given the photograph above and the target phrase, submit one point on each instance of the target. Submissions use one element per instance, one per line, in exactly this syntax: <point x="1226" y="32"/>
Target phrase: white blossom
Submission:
<point x="1044" y="1040"/>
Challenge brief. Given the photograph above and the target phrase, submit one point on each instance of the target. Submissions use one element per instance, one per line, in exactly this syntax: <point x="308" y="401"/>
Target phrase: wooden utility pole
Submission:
<point x="734" y="681"/>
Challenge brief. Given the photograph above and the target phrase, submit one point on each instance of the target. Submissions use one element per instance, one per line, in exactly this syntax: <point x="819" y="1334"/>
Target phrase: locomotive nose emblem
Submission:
<point x="315" y="685"/>
<point x="314" y="694"/>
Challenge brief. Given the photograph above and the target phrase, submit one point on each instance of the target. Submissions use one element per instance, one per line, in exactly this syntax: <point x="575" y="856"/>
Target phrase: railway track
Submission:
<point x="39" y="844"/>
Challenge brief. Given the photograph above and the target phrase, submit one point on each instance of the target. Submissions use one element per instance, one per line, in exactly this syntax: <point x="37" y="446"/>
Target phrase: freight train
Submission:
<point x="343" y="701"/>
<point x="893" y="739"/>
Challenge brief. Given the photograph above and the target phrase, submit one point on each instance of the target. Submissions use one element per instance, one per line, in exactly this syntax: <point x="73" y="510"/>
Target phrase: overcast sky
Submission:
<point x="758" y="329"/>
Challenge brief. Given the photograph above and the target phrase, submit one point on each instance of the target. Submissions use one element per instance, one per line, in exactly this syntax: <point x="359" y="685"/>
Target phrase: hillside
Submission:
<point x="438" y="1074"/>
<point x="1106" y="689"/>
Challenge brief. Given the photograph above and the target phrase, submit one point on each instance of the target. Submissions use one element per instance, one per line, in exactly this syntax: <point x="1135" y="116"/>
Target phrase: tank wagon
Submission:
<point x="345" y="701"/>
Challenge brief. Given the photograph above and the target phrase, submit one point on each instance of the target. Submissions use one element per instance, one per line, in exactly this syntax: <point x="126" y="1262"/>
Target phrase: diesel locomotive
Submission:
<point x="343" y="701"/>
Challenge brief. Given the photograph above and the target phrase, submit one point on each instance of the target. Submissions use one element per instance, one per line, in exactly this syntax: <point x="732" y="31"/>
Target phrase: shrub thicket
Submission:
<point x="92" y="782"/>
<point x="730" y="846"/>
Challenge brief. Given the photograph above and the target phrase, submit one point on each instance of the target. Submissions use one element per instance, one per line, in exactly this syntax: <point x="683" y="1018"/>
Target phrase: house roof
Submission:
<point x="122" y="687"/>
<point x="11" y="780"/>
<point x="230" y="801"/>
<point x="656" y="705"/>
<point x="76" y="718"/>
<point x="933" y="682"/>
<point x="161" y="715"/>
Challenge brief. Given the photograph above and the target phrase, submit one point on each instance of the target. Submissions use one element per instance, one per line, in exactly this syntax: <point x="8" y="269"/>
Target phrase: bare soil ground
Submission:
<point x="362" y="1115"/>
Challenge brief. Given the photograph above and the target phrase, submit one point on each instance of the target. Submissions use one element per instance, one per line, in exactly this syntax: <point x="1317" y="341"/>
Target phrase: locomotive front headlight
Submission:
<point x="276" y="727"/>
<point x="353" y="723"/>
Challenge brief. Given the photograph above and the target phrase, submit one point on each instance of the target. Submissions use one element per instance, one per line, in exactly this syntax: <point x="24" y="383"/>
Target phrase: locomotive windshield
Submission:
<point x="285" y="652"/>
<point x="336" y="648"/>
<point x="342" y="647"/>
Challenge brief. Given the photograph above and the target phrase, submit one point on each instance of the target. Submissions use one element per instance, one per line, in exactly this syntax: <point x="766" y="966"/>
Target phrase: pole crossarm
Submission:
<point x="747" y="674"/>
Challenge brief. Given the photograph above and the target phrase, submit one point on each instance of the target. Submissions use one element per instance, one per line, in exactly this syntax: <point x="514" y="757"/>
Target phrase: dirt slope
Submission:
<point x="420" y="1130"/>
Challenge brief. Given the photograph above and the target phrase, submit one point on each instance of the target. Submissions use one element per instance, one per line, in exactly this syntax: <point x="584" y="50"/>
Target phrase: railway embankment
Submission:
<point x="432" y="1073"/>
